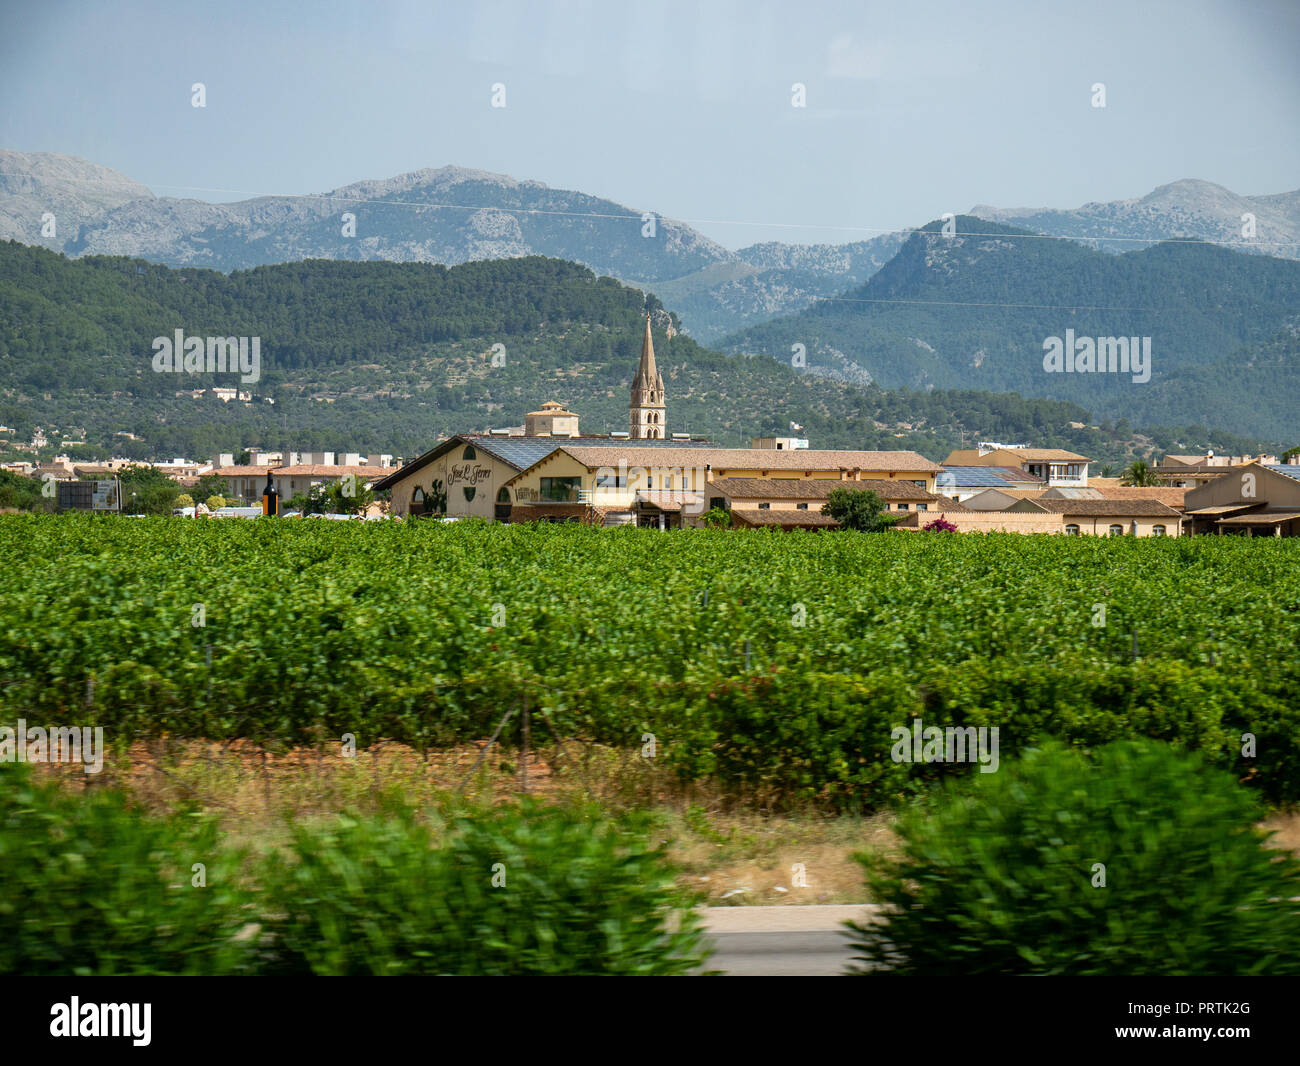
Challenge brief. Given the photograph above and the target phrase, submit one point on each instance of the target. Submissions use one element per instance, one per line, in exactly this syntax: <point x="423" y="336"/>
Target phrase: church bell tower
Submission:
<point x="647" y="408"/>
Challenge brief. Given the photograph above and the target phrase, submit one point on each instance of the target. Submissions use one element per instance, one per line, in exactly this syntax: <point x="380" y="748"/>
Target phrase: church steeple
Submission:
<point x="647" y="408"/>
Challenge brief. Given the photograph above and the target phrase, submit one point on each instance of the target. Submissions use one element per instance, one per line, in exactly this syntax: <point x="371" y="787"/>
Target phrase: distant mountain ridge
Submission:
<point x="455" y="214"/>
<point x="1188" y="208"/>
<point x="974" y="311"/>
<point x="75" y="191"/>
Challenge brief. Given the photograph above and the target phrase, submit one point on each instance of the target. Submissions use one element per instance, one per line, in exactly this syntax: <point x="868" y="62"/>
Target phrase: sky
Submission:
<point x="913" y="109"/>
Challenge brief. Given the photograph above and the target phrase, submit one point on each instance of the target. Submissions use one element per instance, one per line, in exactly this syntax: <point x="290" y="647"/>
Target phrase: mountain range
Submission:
<point x="453" y="215"/>
<point x="978" y="309"/>
<point x="1187" y="209"/>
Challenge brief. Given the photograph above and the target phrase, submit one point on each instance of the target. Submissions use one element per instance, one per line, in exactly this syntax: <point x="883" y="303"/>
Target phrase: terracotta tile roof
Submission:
<point x="242" y="471"/>
<point x="520" y="452"/>
<point x="971" y="456"/>
<point x="1170" y="497"/>
<point x="754" y="459"/>
<point x="812" y="488"/>
<point x="784" y="518"/>
<point x="1145" y="508"/>
<point x="1042" y="455"/>
<point x="323" y="470"/>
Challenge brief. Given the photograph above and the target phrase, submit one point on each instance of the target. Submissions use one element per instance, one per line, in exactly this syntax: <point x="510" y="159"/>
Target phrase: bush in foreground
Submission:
<point x="530" y="890"/>
<point x="89" y="886"/>
<point x="1000" y="874"/>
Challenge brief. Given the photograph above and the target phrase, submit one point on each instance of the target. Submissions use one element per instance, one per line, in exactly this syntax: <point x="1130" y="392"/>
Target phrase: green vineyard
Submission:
<point x="776" y="665"/>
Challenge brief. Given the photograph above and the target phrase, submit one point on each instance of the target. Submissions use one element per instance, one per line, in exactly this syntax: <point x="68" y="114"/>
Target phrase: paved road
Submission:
<point x="789" y="941"/>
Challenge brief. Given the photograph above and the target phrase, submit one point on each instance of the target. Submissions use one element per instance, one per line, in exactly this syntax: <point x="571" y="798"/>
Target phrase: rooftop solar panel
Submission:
<point x="987" y="477"/>
<point x="1286" y="470"/>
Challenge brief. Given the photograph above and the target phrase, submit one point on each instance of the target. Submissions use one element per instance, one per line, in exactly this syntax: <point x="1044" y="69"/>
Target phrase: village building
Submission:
<point x="968" y="521"/>
<point x="1055" y="467"/>
<point x="785" y="520"/>
<point x="244" y="482"/>
<point x="749" y="499"/>
<point x="1168" y="495"/>
<point x="553" y="420"/>
<point x="1100" y="517"/>
<point x="301" y="479"/>
<point x="466" y="474"/>
<point x="1193" y="471"/>
<point x="1252" y="499"/>
<point x="1001" y="499"/>
<point x="668" y="487"/>
<point x="780" y="444"/>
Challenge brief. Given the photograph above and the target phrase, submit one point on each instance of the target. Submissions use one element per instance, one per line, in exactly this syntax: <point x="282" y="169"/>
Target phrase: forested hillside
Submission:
<point x="388" y="357"/>
<point x="974" y="310"/>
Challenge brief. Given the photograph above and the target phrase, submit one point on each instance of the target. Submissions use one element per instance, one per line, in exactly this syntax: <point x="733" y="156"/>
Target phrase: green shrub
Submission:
<point x="90" y="887"/>
<point x="572" y="895"/>
<point x="997" y="873"/>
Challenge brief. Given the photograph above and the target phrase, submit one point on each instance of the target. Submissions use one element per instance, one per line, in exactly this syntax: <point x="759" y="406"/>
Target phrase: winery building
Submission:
<point x="1253" y="500"/>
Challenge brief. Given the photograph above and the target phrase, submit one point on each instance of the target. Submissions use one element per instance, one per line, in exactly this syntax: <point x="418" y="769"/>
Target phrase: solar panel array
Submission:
<point x="977" y="477"/>
<point x="1292" y="471"/>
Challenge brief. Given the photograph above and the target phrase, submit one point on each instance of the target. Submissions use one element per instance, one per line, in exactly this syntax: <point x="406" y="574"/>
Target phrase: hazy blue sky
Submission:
<point x="684" y="108"/>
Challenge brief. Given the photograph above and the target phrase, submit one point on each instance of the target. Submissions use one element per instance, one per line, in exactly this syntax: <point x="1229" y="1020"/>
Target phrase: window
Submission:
<point x="469" y="453"/>
<point x="1072" y="530"/>
<point x="503" y="496"/>
<point x="560" y="489"/>
<point x="611" y="481"/>
<point x="764" y="506"/>
<point x="1116" y="531"/>
<point x="1157" y="531"/>
<point x="717" y="502"/>
<point x="922" y="506"/>
<point x="417" y="501"/>
<point x="801" y="507"/>
<point x="902" y="507"/>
